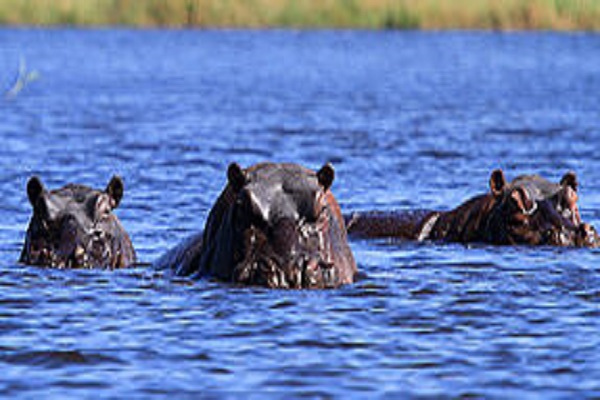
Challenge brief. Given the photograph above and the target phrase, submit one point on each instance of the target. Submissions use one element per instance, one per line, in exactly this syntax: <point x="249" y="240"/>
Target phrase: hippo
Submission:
<point x="273" y="225"/>
<point x="529" y="210"/>
<point x="74" y="227"/>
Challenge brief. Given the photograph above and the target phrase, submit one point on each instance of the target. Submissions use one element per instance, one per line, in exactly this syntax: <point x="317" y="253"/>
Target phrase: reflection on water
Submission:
<point x="408" y="119"/>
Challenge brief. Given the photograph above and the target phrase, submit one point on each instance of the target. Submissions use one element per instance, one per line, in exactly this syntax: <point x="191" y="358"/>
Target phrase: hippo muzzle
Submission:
<point x="295" y="254"/>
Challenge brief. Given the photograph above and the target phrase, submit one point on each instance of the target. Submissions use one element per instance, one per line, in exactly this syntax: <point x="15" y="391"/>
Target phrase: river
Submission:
<point x="408" y="119"/>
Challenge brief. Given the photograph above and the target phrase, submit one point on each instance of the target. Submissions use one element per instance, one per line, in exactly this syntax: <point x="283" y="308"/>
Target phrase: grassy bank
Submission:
<point x="369" y="14"/>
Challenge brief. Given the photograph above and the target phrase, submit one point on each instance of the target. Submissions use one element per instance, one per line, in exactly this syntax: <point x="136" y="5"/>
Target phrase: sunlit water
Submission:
<point x="410" y="120"/>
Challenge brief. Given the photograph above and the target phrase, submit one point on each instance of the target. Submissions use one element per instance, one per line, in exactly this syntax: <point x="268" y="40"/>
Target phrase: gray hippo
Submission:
<point x="529" y="210"/>
<point x="74" y="227"/>
<point x="274" y="225"/>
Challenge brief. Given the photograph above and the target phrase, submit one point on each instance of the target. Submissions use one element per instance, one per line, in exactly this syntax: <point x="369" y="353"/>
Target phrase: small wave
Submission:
<point x="527" y="132"/>
<point x="311" y="343"/>
<point x="441" y="154"/>
<point x="57" y="359"/>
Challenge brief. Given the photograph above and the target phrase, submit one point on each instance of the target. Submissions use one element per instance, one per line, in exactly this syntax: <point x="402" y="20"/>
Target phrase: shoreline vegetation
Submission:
<point x="559" y="15"/>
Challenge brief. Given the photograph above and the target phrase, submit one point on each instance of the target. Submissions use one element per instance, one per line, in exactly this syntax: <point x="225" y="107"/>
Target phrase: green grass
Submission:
<point x="364" y="14"/>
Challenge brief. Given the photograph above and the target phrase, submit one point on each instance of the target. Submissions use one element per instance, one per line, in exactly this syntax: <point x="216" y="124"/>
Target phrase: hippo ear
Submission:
<point x="326" y="175"/>
<point x="236" y="176"/>
<point x="570" y="179"/>
<point x="37" y="197"/>
<point x="36" y="194"/>
<point x="115" y="190"/>
<point x="497" y="182"/>
<point x="35" y="189"/>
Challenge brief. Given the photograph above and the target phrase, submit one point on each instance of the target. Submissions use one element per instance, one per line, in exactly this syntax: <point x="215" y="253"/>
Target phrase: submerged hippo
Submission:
<point x="74" y="227"/>
<point x="274" y="225"/>
<point x="529" y="210"/>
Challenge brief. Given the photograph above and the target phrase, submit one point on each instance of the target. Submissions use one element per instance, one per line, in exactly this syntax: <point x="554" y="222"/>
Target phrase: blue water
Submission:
<point x="410" y="120"/>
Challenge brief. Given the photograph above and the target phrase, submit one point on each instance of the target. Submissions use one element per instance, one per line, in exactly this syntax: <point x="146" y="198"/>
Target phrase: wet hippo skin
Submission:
<point x="75" y="227"/>
<point x="274" y="225"/>
<point x="529" y="210"/>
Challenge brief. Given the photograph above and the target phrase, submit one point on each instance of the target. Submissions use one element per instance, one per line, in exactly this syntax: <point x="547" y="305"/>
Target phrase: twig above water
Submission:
<point x="23" y="78"/>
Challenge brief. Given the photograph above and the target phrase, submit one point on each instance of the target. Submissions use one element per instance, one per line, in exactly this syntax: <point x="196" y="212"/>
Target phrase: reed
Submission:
<point x="561" y="15"/>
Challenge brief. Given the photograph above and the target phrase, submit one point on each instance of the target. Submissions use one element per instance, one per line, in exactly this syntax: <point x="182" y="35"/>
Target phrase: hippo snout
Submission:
<point x="99" y="248"/>
<point x="40" y="255"/>
<point x="303" y="272"/>
<point x="587" y="236"/>
<point x="319" y="274"/>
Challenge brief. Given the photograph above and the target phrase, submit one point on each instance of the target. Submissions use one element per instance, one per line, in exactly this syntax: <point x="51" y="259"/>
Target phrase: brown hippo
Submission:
<point x="529" y="210"/>
<point x="74" y="227"/>
<point x="274" y="225"/>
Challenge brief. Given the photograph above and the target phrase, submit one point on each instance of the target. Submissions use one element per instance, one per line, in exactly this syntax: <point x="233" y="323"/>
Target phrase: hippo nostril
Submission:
<point x="587" y="236"/>
<point x="42" y="256"/>
<point x="551" y="236"/>
<point x="79" y="251"/>
<point x="79" y="256"/>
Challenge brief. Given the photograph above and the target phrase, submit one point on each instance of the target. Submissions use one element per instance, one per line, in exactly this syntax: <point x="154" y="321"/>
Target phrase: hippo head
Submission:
<point x="531" y="210"/>
<point x="278" y="225"/>
<point x="73" y="227"/>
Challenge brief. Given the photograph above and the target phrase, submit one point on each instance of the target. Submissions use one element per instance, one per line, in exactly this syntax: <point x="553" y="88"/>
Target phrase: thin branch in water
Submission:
<point x="23" y="79"/>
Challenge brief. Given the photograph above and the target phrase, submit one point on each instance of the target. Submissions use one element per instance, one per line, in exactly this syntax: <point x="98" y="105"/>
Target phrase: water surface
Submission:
<point x="410" y="120"/>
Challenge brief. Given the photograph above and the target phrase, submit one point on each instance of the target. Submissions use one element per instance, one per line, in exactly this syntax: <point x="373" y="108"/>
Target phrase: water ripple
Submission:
<point x="410" y="120"/>
<point x="57" y="359"/>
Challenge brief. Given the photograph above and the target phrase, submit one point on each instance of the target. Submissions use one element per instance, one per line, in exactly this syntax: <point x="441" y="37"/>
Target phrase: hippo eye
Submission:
<point x="98" y="207"/>
<point x="532" y="209"/>
<point x="247" y="210"/>
<point x="48" y="228"/>
<point x="43" y="226"/>
<point x="522" y="202"/>
<point x="309" y="207"/>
